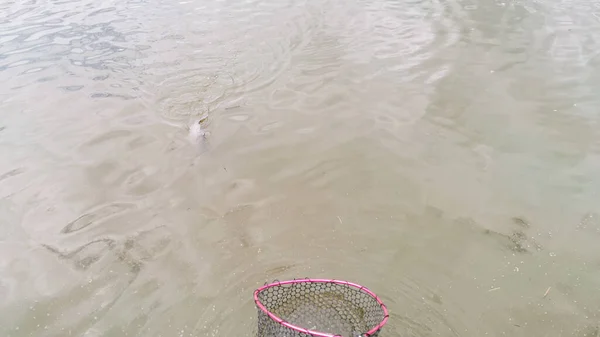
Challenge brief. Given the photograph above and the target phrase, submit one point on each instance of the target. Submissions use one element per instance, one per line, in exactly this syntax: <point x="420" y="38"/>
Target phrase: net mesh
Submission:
<point x="324" y="307"/>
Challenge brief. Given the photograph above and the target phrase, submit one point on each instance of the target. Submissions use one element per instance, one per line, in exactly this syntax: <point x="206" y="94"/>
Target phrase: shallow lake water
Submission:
<point x="160" y="160"/>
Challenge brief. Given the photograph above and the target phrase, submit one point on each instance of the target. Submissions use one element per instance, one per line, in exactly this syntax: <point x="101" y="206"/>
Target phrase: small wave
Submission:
<point x="96" y="216"/>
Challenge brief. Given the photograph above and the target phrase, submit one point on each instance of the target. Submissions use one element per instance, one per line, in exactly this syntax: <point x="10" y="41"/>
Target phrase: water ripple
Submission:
<point x="330" y="128"/>
<point x="38" y="42"/>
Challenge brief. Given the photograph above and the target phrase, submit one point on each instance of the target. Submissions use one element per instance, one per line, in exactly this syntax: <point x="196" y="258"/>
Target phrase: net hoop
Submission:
<point x="317" y="333"/>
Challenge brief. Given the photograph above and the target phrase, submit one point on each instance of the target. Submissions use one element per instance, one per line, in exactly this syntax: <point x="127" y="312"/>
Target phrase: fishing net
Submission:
<point x="319" y="308"/>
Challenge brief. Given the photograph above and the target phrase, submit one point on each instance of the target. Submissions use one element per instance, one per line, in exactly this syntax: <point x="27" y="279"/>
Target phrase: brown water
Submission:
<point x="443" y="153"/>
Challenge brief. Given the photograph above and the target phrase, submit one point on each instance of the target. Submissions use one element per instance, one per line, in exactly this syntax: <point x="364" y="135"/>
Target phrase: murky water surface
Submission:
<point x="161" y="159"/>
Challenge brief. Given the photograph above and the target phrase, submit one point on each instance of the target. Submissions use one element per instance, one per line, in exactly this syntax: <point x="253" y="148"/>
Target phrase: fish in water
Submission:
<point x="197" y="132"/>
<point x="199" y="135"/>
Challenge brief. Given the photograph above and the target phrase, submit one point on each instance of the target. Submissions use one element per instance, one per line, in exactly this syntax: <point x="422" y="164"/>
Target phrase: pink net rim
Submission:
<point x="317" y="333"/>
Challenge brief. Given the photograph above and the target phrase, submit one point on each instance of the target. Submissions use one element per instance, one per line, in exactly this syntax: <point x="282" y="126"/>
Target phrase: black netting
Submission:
<point x="325" y="307"/>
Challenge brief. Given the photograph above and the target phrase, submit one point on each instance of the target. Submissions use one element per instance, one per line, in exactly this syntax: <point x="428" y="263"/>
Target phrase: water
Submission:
<point x="162" y="159"/>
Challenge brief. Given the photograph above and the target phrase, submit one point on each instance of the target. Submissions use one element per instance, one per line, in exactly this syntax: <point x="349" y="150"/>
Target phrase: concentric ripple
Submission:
<point x="441" y="152"/>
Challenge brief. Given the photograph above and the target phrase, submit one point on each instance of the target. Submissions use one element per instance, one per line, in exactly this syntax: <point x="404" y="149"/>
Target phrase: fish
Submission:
<point x="198" y="133"/>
